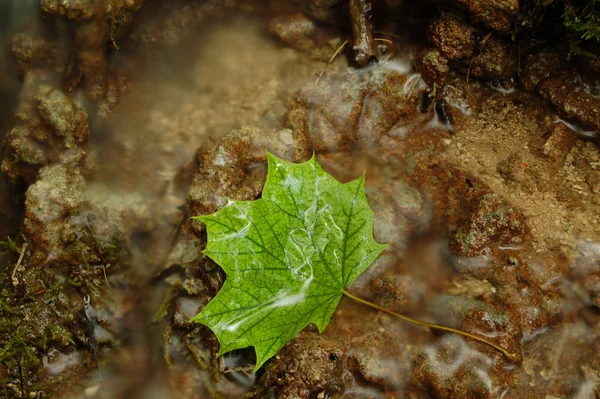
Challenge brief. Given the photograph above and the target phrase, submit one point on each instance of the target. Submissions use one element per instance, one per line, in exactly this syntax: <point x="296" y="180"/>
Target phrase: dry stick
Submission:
<point x="481" y="45"/>
<point x="14" y="273"/>
<point x="243" y="369"/>
<point x="337" y="52"/>
<point x="362" y="32"/>
<point x="390" y="44"/>
<point x="390" y="34"/>
<point x="381" y="39"/>
<point x="511" y="356"/>
<point x="341" y="48"/>
<point x="467" y="78"/>
<point x="106" y="278"/>
<point x="409" y="94"/>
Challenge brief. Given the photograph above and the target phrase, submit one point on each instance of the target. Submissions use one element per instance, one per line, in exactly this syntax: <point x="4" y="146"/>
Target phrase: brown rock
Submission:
<point x="433" y="66"/>
<point x="31" y="51"/>
<point x="560" y="142"/>
<point x="49" y="127"/>
<point x="452" y="36"/>
<point x="539" y="66"/>
<point x="121" y="14"/>
<point x="395" y="292"/>
<point x="67" y="119"/>
<point x="233" y="167"/>
<point x="170" y="21"/>
<point x="487" y="57"/>
<point x="491" y="222"/>
<point x="326" y="11"/>
<point x="498" y="15"/>
<point x="55" y="195"/>
<point x="309" y="366"/>
<point x="370" y="355"/>
<point x="568" y="94"/>
<point x="294" y="30"/>
<point x="497" y="59"/>
<point x="358" y="109"/>
<point x="77" y="10"/>
<point x="454" y="370"/>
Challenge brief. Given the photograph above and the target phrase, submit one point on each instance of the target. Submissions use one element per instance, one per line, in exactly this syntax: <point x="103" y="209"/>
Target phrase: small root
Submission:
<point x="106" y="278"/>
<point x="467" y="78"/>
<point x="15" y="281"/>
<point x="391" y="46"/>
<point x="244" y="369"/>
<point x="410" y="91"/>
<point x="385" y="33"/>
<point x="508" y="355"/>
<point x="341" y="48"/>
<point x="337" y="52"/>
<point x="481" y="46"/>
<point x="167" y="338"/>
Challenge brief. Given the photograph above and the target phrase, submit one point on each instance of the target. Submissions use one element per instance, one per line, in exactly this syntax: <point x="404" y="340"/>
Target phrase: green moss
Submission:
<point x="17" y="348"/>
<point x="9" y="247"/>
<point x="60" y="333"/>
<point x="6" y="308"/>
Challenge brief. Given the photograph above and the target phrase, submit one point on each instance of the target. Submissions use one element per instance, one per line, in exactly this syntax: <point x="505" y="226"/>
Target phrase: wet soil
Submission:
<point x="491" y="201"/>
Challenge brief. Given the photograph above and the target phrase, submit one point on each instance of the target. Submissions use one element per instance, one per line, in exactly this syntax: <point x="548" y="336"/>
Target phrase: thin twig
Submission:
<point x="467" y="78"/>
<point x="381" y="39"/>
<point x="409" y="94"/>
<point x="337" y="52"/>
<point x="106" y="278"/>
<point x="481" y="46"/>
<point x="243" y="369"/>
<point x="385" y="33"/>
<point x="390" y="44"/>
<point x="511" y="356"/>
<point x="14" y="273"/>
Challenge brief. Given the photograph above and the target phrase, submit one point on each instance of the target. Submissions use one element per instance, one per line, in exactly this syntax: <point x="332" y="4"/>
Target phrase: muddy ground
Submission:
<point x="122" y="119"/>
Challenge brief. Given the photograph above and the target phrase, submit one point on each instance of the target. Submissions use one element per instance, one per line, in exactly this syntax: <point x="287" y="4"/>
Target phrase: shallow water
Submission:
<point x="422" y="182"/>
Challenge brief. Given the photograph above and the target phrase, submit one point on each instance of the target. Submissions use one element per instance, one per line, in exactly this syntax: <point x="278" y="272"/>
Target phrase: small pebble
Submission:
<point x="569" y="158"/>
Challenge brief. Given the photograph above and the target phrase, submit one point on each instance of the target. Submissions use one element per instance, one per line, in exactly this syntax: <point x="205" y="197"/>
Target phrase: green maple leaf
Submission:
<point x="288" y="256"/>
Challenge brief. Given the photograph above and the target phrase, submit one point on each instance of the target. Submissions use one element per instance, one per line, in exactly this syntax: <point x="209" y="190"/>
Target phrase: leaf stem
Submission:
<point x="511" y="356"/>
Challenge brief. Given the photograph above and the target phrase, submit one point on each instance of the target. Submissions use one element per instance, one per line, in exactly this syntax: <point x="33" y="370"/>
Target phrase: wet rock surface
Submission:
<point x="491" y="55"/>
<point x="295" y="30"/>
<point x="32" y="51"/>
<point x="567" y="92"/>
<point x="233" y="167"/>
<point x="493" y="223"/>
<point x="433" y="66"/>
<point x="539" y="66"/>
<point x="469" y="49"/>
<point x="310" y="366"/>
<point x="452" y="36"/>
<point x="69" y="251"/>
<point x="496" y="15"/>
<point x="50" y="127"/>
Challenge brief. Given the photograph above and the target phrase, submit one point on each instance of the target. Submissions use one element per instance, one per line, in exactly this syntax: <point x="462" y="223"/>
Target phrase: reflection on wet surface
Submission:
<point x="488" y="234"/>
